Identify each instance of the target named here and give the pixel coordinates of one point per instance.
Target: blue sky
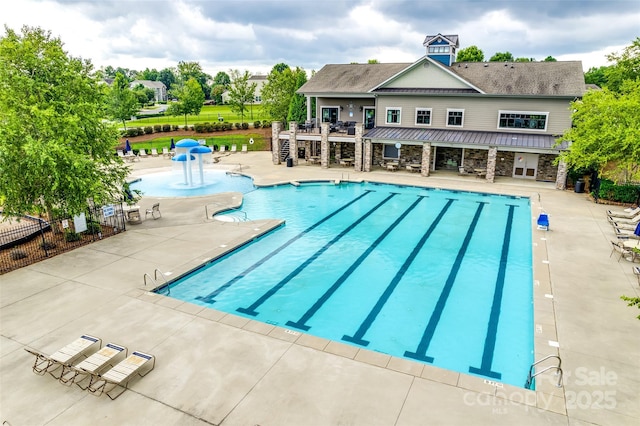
(254, 35)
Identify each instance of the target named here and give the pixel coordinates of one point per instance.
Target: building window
(390, 152)
(393, 115)
(438, 49)
(455, 117)
(423, 116)
(522, 120)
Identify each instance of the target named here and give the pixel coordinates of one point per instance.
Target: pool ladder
(154, 280)
(532, 373)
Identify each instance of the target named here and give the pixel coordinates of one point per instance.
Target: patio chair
(234, 148)
(155, 209)
(91, 367)
(142, 152)
(223, 148)
(624, 214)
(116, 380)
(154, 152)
(630, 221)
(133, 216)
(120, 153)
(636, 271)
(543, 222)
(165, 152)
(65, 357)
(244, 148)
(625, 234)
(619, 248)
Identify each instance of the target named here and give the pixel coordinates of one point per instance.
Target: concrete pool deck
(221, 369)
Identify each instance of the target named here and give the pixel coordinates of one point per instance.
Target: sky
(254, 35)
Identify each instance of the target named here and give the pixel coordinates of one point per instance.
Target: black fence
(29, 239)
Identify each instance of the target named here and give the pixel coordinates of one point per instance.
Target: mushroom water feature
(191, 149)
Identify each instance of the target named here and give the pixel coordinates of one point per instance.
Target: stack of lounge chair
(626, 223)
(93, 367)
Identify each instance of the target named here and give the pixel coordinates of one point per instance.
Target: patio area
(215, 368)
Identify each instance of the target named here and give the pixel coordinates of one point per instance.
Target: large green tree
(626, 66)
(121, 101)
(470, 54)
(597, 76)
(188, 70)
(277, 92)
(168, 77)
(606, 133)
(56, 150)
(241, 92)
(190, 99)
(502, 57)
(298, 104)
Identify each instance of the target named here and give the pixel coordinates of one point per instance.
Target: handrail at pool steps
(154, 280)
(557, 369)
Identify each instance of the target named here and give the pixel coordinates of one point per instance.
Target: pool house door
(525, 166)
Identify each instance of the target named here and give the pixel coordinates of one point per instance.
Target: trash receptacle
(289, 162)
(579, 186)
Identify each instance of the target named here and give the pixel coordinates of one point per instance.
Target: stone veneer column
(491, 163)
(561, 177)
(293, 142)
(359, 160)
(368, 152)
(276, 128)
(324, 145)
(426, 159)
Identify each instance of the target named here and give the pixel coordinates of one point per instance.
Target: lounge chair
(619, 248)
(120, 153)
(155, 209)
(133, 216)
(625, 234)
(543, 222)
(91, 367)
(244, 148)
(154, 152)
(623, 213)
(223, 148)
(617, 219)
(65, 357)
(116, 380)
(142, 152)
(234, 148)
(165, 152)
(636, 271)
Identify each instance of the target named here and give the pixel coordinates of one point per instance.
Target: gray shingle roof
(453, 38)
(350, 78)
(464, 137)
(524, 78)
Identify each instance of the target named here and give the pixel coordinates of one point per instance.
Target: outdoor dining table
(314, 160)
(347, 162)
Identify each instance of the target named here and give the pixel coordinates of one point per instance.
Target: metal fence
(29, 239)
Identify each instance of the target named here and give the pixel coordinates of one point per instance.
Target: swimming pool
(173, 184)
(441, 277)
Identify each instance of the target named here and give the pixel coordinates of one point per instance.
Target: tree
(298, 104)
(190, 99)
(220, 83)
(56, 151)
(144, 95)
(168, 77)
(525, 59)
(470, 54)
(626, 66)
(222, 78)
(502, 57)
(241, 92)
(277, 92)
(148, 74)
(597, 76)
(279, 67)
(188, 70)
(606, 133)
(549, 59)
(373, 61)
(121, 101)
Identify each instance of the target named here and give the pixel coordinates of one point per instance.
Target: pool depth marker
(209, 298)
(421, 352)
(251, 310)
(301, 323)
(364, 327)
(492, 327)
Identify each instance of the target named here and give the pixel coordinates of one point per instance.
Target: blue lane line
(301, 323)
(494, 317)
(420, 353)
(209, 298)
(357, 338)
(251, 310)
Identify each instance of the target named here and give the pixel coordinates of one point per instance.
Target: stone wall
(547, 171)
(475, 159)
(504, 163)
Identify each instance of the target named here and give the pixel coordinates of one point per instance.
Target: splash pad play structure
(186, 152)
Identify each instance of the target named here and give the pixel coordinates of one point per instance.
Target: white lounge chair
(165, 152)
(223, 148)
(142, 152)
(116, 380)
(244, 148)
(234, 148)
(65, 357)
(91, 367)
(623, 213)
(120, 153)
(154, 152)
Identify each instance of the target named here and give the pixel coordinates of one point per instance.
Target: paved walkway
(215, 368)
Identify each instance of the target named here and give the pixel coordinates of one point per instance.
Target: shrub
(18, 254)
(256, 124)
(238, 125)
(133, 131)
(245, 126)
(228, 126)
(218, 127)
(70, 236)
(93, 228)
(266, 124)
(199, 127)
(166, 127)
(626, 193)
(148, 130)
(157, 128)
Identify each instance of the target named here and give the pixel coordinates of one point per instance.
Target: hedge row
(626, 193)
(198, 127)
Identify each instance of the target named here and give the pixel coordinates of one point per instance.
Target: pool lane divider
(210, 298)
(421, 352)
(251, 310)
(357, 338)
(494, 316)
(301, 323)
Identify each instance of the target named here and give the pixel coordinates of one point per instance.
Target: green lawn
(209, 113)
(259, 143)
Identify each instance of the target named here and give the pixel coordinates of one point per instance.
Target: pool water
(173, 184)
(440, 277)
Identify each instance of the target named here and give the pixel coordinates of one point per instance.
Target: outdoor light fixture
(361, 108)
(341, 108)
